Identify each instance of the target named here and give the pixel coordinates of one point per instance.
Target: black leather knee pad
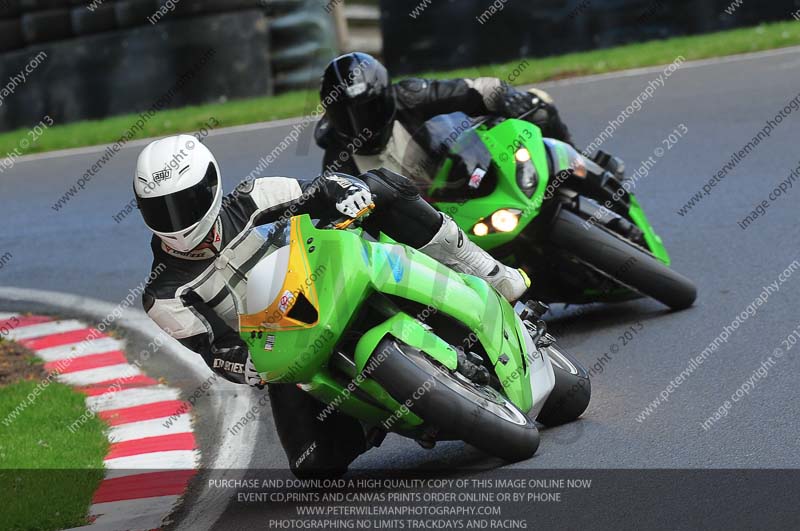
(318, 462)
(314, 447)
(337, 441)
(383, 181)
(401, 212)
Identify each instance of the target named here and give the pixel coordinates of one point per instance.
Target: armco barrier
(107, 57)
(128, 70)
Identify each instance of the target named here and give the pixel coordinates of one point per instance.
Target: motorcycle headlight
(522, 155)
(527, 178)
(505, 220)
(480, 229)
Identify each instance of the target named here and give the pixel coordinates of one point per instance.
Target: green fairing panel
(502, 141)
(409, 331)
(402, 271)
(653, 240)
(348, 271)
(635, 212)
(329, 391)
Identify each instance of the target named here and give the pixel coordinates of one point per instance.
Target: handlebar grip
(361, 213)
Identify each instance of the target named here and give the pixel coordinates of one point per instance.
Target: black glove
(251, 376)
(230, 363)
(540, 113)
(515, 103)
(349, 194)
(235, 365)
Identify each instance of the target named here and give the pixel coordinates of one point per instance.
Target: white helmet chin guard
(178, 190)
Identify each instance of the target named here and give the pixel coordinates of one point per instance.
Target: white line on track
(100, 374)
(570, 81)
(699, 63)
(45, 329)
(150, 428)
(97, 346)
(153, 461)
(137, 396)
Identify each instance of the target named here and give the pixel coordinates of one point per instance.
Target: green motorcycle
(385, 334)
(537, 204)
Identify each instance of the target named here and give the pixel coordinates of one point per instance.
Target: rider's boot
(451, 247)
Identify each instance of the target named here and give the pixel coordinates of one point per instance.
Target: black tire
(43, 26)
(130, 13)
(9, 8)
(85, 22)
(197, 7)
(571, 393)
(458, 410)
(27, 6)
(10, 35)
(621, 260)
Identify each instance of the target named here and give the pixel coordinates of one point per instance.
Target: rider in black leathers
(201, 258)
(369, 121)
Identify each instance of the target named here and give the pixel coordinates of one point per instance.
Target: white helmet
(178, 190)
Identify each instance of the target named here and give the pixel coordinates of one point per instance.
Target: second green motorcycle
(536, 203)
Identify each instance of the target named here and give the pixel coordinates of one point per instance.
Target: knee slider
(318, 464)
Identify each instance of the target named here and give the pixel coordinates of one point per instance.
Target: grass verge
(47, 472)
(299, 103)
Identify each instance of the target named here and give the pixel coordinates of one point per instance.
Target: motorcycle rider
(369, 122)
(200, 238)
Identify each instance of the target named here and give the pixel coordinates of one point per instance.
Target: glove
(350, 195)
(515, 103)
(251, 376)
(227, 361)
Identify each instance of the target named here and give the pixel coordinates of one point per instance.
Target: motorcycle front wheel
(456, 408)
(620, 260)
(572, 391)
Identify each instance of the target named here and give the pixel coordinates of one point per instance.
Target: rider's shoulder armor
(420, 99)
(272, 192)
(255, 196)
(411, 93)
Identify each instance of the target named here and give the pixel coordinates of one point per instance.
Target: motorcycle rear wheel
(456, 408)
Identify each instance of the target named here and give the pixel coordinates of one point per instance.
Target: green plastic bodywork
(653, 240)
(354, 269)
(502, 140)
(507, 194)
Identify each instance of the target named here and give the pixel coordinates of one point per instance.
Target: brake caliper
(470, 365)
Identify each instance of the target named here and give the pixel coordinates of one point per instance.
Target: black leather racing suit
(419, 100)
(195, 295)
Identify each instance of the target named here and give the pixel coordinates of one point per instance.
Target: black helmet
(359, 101)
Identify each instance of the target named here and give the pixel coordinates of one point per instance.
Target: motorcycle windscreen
(262, 244)
(449, 161)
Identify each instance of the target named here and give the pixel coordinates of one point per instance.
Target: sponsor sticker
(269, 342)
(286, 302)
(477, 177)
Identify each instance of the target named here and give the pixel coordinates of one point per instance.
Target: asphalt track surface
(82, 250)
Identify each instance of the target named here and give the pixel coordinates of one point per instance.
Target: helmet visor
(363, 119)
(180, 210)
